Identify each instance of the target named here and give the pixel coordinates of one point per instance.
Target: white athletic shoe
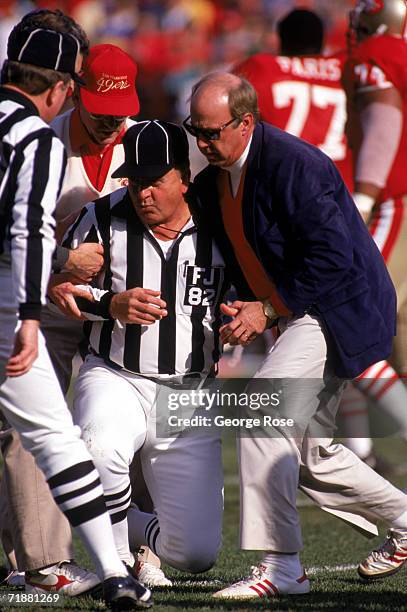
(15, 579)
(388, 559)
(152, 576)
(66, 578)
(264, 583)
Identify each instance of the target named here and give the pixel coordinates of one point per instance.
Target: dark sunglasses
(206, 133)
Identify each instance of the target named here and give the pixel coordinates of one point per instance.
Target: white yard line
(311, 571)
(331, 569)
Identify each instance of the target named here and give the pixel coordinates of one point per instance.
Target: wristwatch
(269, 311)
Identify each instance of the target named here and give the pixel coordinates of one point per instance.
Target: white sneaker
(15, 579)
(152, 576)
(388, 559)
(66, 578)
(264, 583)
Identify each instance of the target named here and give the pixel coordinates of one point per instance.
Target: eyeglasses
(206, 133)
(110, 119)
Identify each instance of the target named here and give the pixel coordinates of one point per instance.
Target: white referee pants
(116, 412)
(34, 405)
(272, 467)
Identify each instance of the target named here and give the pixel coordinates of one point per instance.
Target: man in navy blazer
(286, 222)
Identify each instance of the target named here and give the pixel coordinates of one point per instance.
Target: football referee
(40, 67)
(155, 317)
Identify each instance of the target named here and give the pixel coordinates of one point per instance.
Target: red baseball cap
(110, 82)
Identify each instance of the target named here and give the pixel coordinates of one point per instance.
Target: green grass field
(328, 544)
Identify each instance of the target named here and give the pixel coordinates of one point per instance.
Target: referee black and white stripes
(32, 167)
(191, 279)
(78, 492)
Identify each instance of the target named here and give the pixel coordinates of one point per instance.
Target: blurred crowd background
(176, 41)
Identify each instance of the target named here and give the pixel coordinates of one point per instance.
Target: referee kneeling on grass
(155, 320)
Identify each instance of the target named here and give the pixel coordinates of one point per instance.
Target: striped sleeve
(83, 229)
(98, 310)
(42, 166)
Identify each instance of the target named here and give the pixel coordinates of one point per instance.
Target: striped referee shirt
(32, 166)
(191, 280)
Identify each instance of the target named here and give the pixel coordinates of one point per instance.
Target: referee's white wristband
(364, 203)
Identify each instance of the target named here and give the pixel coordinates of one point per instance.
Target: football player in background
(300, 89)
(375, 80)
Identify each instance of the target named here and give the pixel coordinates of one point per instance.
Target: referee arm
(38, 185)
(137, 305)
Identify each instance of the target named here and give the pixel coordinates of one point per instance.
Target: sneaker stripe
(265, 589)
(256, 590)
(272, 586)
(397, 559)
(61, 582)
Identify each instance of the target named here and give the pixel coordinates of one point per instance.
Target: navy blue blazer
(305, 229)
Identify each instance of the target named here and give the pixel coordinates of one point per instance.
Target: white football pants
(34, 405)
(116, 413)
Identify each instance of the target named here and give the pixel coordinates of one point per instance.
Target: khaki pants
(273, 466)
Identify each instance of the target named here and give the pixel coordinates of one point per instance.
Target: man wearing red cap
(93, 131)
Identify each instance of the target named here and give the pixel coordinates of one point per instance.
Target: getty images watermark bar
(257, 407)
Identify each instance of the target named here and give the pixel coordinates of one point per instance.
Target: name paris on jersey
(324, 68)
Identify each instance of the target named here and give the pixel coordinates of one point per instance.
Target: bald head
(225, 103)
(222, 88)
(217, 84)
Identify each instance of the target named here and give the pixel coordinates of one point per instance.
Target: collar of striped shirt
(6, 93)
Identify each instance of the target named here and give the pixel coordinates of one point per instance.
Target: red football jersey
(304, 96)
(380, 62)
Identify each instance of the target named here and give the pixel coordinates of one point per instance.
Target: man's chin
(104, 140)
(214, 160)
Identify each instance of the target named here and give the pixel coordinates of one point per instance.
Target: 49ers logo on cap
(110, 78)
(109, 83)
(373, 6)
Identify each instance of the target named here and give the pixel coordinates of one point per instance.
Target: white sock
(97, 536)
(283, 563)
(121, 537)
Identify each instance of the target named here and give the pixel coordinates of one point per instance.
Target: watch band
(269, 311)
